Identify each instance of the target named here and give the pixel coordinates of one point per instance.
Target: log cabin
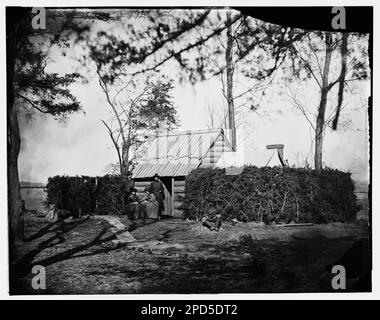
(173, 155)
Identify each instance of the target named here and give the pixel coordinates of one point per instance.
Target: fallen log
(294, 225)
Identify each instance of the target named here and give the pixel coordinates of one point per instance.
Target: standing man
(157, 188)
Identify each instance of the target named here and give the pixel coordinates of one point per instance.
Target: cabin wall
(177, 196)
(141, 185)
(178, 187)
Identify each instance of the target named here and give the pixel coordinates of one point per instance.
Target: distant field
(33, 194)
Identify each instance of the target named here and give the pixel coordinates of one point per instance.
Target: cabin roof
(147, 170)
(176, 153)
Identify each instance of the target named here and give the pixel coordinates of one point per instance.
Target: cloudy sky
(81, 145)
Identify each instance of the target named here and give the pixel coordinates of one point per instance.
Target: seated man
(133, 208)
(212, 222)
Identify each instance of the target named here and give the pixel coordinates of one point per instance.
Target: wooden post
(280, 152)
(200, 147)
(189, 146)
(157, 148)
(173, 210)
(167, 143)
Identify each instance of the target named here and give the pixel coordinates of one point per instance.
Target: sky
(81, 145)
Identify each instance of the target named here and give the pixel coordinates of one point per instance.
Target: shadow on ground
(175, 256)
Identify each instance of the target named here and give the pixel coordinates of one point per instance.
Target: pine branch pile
(86, 195)
(271, 195)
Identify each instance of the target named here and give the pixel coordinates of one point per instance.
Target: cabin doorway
(168, 203)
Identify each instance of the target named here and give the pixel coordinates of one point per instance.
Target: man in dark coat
(157, 188)
(212, 220)
(127, 187)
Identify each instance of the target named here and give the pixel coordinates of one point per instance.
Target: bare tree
(217, 116)
(260, 46)
(325, 87)
(314, 55)
(136, 114)
(342, 77)
(231, 70)
(229, 78)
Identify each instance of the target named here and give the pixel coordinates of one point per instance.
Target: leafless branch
(31, 103)
(177, 34)
(200, 41)
(114, 142)
(298, 105)
(104, 87)
(308, 67)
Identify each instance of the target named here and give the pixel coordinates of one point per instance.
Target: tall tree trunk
(319, 128)
(126, 147)
(124, 159)
(341, 79)
(117, 148)
(229, 74)
(13, 145)
(14, 196)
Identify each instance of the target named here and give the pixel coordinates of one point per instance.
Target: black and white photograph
(188, 150)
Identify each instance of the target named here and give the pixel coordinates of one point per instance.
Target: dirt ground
(178, 256)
